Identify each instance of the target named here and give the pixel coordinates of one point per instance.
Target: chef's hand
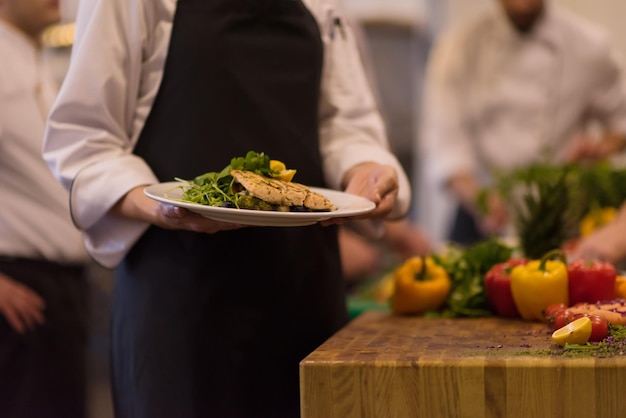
(360, 257)
(21, 306)
(586, 149)
(136, 205)
(605, 244)
(608, 243)
(376, 182)
(406, 240)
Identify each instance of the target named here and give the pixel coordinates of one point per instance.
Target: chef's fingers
(14, 320)
(30, 316)
(386, 182)
(172, 211)
(385, 205)
(174, 217)
(383, 189)
(383, 208)
(372, 181)
(24, 311)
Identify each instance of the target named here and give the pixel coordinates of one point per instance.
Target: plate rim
(280, 218)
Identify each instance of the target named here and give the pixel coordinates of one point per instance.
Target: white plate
(345, 205)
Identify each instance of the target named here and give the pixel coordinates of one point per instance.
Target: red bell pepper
(590, 281)
(498, 288)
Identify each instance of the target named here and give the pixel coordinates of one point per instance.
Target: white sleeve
(608, 102)
(445, 139)
(93, 125)
(351, 128)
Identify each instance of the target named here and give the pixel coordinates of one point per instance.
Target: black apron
(464, 230)
(214, 325)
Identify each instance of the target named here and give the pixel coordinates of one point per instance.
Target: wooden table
(382, 366)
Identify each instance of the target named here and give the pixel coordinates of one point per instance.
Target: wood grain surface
(382, 366)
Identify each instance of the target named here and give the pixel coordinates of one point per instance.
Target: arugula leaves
(253, 161)
(216, 188)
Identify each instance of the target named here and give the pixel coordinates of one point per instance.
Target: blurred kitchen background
(396, 36)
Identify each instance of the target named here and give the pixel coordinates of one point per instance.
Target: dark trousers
(43, 372)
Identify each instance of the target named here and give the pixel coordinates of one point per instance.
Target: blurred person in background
(513, 86)
(211, 319)
(362, 257)
(607, 243)
(43, 289)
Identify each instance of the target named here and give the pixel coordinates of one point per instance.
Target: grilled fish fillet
(278, 192)
(312, 200)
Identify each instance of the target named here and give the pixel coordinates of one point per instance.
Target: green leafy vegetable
(467, 269)
(556, 198)
(216, 188)
(613, 345)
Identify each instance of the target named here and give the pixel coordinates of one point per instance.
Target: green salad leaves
(216, 188)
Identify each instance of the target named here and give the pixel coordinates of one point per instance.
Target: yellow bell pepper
(538, 284)
(420, 285)
(384, 288)
(620, 287)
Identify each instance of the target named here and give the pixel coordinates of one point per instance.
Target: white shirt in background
(34, 212)
(495, 100)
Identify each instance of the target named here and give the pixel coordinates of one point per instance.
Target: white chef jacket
(114, 75)
(34, 212)
(496, 100)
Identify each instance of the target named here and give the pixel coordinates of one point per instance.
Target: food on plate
(254, 182)
(280, 171)
(280, 193)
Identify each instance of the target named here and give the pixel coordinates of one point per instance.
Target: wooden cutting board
(382, 366)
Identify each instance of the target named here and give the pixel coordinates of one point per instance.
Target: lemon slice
(276, 165)
(576, 332)
(283, 173)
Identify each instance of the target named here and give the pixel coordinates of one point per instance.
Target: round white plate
(345, 205)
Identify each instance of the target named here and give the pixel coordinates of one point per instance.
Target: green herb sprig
(613, 345)
(467, 269)
(216, 188)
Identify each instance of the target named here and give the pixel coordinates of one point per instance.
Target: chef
(516, 85)
(211, 319)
